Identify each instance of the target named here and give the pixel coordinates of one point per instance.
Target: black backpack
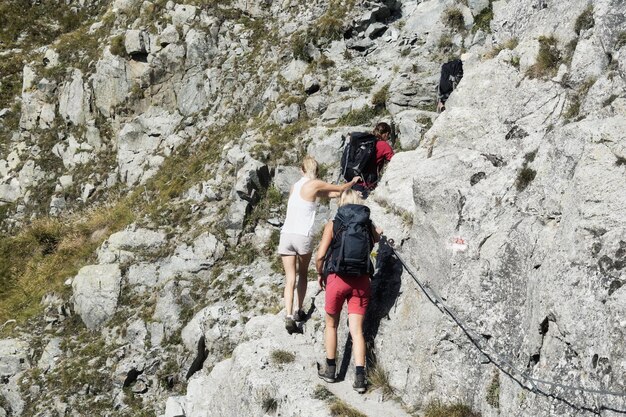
(359, 157)
(451, 74)
(349, 251)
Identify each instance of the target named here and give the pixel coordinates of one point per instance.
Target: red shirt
(383, 154)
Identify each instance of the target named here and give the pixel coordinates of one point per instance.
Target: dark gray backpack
(349, 251)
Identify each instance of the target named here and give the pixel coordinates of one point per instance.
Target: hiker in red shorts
(344, 269)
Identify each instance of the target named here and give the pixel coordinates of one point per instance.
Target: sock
(331, 362)
(360, 370)
(289, 316)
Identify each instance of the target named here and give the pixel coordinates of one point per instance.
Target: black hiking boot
(299, 316)
(360, 385)
(327, 373)
(291, 325)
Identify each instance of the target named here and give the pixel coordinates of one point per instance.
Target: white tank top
(300, 213)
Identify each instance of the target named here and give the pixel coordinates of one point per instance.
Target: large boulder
(96, 291)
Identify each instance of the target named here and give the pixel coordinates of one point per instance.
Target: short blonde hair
(350, 196)
(309, 167)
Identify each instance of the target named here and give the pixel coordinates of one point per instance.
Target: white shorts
(293, 244)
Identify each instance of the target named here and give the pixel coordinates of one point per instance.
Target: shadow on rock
(386, 283)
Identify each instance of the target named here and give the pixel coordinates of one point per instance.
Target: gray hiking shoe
(327, 373)
(360, 384)
(290, 325)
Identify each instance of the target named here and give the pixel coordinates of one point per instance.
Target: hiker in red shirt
(384, 153)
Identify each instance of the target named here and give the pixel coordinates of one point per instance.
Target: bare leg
(330, 335)
(303, 272)
(289, 263)
(355, 322)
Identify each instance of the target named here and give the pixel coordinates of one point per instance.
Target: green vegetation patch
(360, 117)
(378, 377)
(379, 99)
(493, 391)
(339, 408)
(573, 111)
(548, 59)
(281, 357)
(358, 81)
(45, 253)
(439, 409)
(482, 21)
(585, 21)
(454, 19)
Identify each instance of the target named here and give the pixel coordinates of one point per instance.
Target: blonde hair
(350, 196)
(309, 167)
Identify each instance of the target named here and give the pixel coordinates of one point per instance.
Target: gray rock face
(121, 246)
(136, 42)
(111, 83)
(51, 355)
(140, 141)
(13, 357)
(285, 177)
(74, 100)
(96, 289)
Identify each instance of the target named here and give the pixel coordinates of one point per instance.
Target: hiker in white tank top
(300, 212)
(295, 246)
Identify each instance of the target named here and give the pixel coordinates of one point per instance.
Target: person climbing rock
(374, 167)
(344, 270)
(451, 75)
(295, 245)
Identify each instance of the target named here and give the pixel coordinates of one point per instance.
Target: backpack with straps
(359, 157)
(349, 251)
(451, 74)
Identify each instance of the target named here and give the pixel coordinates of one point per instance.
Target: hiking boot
(327, 373)
(360, 385)
(299, 316)
(290, 325)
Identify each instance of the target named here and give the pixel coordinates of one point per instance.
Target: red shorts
(356, 290)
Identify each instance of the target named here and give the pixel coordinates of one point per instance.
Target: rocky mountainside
(147, 149)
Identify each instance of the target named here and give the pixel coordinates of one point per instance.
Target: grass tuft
(340, 409)
(280, 357)
(378, 377)
(585, 21)
(548, 59)
(482, 21)
(453, 18)
(438, 409)
(493, 391)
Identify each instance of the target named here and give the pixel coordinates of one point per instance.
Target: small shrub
(299, 47)
(380, 97)
(359, 117)
(322, 393)
(620, 161)
(573, 111)
(524, 177)
(117, 46)
(453, 18)
(340, 409)
(329, 27)
(483, 19)
(358, 81)
(438, 409)
(378, 377)
(585, 21)
(282, 356)
(548, 59)
(445, 42)
(493, 392)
